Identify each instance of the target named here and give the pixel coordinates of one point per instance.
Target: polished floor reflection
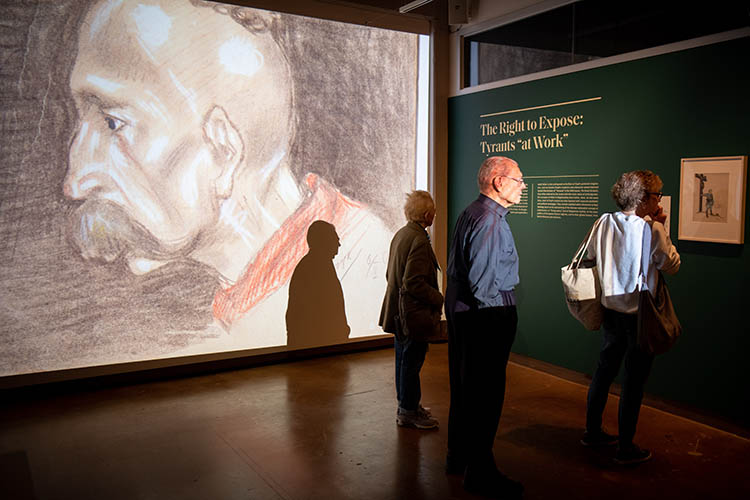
(325, 429)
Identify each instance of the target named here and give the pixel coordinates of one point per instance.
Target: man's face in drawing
(155, 152)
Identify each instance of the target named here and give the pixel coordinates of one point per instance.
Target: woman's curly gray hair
(418, 203)
(631, 188)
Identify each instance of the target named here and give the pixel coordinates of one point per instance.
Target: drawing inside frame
(184, 177)
(712, 199)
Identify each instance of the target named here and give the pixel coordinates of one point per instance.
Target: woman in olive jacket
(412, 281)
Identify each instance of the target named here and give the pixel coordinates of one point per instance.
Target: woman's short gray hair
(418, 203)
(632, 187)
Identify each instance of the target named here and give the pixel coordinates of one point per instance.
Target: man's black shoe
(599, 438)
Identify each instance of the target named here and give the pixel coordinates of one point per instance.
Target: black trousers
(619, 341)
(479, 343)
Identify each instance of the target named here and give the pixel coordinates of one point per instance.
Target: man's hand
(659, 215)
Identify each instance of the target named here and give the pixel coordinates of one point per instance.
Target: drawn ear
(227, 147)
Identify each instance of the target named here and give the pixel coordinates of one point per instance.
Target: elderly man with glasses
(482, 318)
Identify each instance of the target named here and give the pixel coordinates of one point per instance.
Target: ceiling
(606, 28)
(428, 10)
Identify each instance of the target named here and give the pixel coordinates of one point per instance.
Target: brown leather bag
(658, 326)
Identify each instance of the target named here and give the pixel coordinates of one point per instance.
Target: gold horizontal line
(556, 176)
(541, 107)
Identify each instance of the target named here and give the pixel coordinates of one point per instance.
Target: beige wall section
(487, 14)
(439, 85)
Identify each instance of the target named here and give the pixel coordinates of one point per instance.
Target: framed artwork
(712, 199)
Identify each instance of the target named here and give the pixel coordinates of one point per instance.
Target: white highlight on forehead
(239, 56)
(152, 28)
(103, 84)
(189, 94)
(102, 16)
(157, 148)
(153, 25)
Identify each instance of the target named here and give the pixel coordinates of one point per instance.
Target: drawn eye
(114, 124)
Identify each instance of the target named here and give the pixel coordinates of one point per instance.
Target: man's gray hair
(417, 204)
(492, 167)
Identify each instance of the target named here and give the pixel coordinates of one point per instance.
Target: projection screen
(185, 177)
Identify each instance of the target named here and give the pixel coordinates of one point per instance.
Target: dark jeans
(410, 356)
(479, 343)
(619, 340)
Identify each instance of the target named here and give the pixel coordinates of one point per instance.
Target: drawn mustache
(103, 231)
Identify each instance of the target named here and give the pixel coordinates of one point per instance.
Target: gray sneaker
(416, 419)
(422, 411)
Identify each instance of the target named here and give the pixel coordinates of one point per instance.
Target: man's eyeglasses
(520, 181)
(658, 195)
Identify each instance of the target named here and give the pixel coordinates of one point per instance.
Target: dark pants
(410, 356)
(619, 340)
(479, 343)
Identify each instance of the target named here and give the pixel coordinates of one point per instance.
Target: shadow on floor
(560, 443)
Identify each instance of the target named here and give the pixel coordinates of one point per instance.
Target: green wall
(651, 113)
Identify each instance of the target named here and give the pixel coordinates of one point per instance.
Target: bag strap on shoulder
(581, 252)
(645, 256)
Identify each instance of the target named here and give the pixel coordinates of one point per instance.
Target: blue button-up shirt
(483, 261)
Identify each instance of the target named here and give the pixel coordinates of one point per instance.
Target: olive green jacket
(412, 266)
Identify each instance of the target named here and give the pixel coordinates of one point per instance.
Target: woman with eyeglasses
(617, 247)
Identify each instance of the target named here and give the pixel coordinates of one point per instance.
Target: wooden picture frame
(712, 199)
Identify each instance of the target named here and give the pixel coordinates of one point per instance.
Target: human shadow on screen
(315, 313)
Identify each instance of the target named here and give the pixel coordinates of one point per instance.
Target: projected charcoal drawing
(167, 158)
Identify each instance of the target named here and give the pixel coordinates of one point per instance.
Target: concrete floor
(325, 429)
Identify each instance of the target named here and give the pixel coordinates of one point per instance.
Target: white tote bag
(583, 293)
